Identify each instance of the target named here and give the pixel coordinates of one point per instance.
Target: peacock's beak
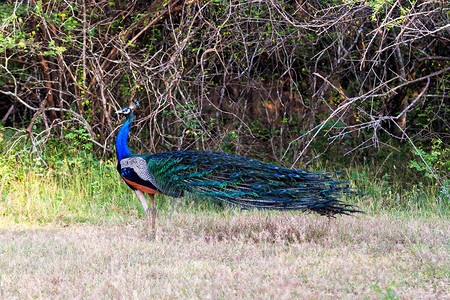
(120, 111)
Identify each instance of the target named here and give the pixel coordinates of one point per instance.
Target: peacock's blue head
(126, 111)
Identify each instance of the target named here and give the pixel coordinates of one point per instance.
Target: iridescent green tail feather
(247, 182)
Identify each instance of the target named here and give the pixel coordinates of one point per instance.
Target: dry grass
(233, 254)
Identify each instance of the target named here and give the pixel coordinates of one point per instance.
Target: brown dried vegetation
(237, 254)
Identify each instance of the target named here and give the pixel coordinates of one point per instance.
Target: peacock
(230, 178)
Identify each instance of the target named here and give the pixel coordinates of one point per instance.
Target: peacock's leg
(141, 197)
(153, 230)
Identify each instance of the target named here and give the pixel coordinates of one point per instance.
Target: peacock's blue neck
(122, 150)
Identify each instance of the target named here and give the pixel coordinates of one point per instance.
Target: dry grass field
(230, 254)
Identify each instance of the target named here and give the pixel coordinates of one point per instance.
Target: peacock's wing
(244, 181)
(134, 171)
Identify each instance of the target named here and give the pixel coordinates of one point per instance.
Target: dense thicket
(282, 80)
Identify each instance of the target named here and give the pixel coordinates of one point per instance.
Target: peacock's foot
(151, 234)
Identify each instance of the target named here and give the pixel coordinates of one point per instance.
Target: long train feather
(247, 182)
